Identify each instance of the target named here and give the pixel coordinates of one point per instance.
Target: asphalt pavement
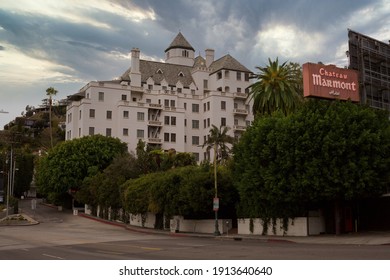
(356, 238)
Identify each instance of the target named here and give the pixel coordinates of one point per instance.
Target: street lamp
(216, 199)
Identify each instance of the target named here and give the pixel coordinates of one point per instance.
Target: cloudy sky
(67, 43)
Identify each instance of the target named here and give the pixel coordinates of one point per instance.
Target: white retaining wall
(179, 224)
(300, 226)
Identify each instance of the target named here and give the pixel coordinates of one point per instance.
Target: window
(205, 84)
(166, 120)
(238, 76)
(204, 107)
(140, 133)
(173, 103)
(227, 89)
(125, 132)
(179, 90)
(185, 106)
(204, 123)
(235, 121)
(208, 122)
(247, 90)
(185, 122)
(101, 96)
(195, 124)
(195, 108)
(150, 87)
(92, 113)
(80, 115)
(227, 74)
(208, 106)
(235, 105)
(185, 53)
(148, 101)
(192, 91)
(166, 137)
(125, 114)
(223, 105)
(108, 132)
(166, 102)
(195, 140)
(134, 99)
(239, 89)
(173, 137)
(124, 97)
(69, 117)
(185, 138)
(140, 116)
(91, 131)
(219, 75)
(223, 121)
(173, 120)
(109, 115)
(246, 77)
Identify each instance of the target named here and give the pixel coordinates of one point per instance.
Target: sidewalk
(363, 238)
(359, 238)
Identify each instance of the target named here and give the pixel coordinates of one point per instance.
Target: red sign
(331, 82)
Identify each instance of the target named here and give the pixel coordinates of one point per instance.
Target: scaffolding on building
(371, 58)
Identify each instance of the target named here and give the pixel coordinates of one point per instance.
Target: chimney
(135, 74)
(209, 57)
(135, 60)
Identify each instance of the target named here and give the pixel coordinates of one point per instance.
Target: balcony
(240, 95)
(154, 123)
(239, 128)
(154, 106)
(240, 112)
(154, 141)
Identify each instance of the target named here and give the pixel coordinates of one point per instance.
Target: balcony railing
(240, 112)
(239, 127)
(155, 123)
(242, 95)
(154, 140)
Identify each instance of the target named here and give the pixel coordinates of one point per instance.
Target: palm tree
(277, 88)
(51, 92)
(217, 140)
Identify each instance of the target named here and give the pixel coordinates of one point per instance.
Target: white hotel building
(171, 105)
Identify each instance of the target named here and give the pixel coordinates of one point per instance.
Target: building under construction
(371, 58)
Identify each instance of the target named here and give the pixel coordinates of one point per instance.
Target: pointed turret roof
(180, 42)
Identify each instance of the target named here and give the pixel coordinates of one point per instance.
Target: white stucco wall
(136, 220)
(180, 224)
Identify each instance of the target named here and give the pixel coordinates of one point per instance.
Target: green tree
(277, 88)
(51, 92)
(64, 168)
(326, 152)
(218, 140)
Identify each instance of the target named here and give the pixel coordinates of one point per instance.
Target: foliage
(217, 140)
(324, 152)
(186, 191)
(67, 164)
(103, 188)
(278, 87)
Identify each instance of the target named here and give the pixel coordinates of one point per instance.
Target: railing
(239, 127)
(154, 140)
(240, 95)
(155, 123)
(240, 111)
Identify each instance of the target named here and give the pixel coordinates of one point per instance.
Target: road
(61, 235)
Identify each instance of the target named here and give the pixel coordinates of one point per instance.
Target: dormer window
(159, 71)
(181, 74)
